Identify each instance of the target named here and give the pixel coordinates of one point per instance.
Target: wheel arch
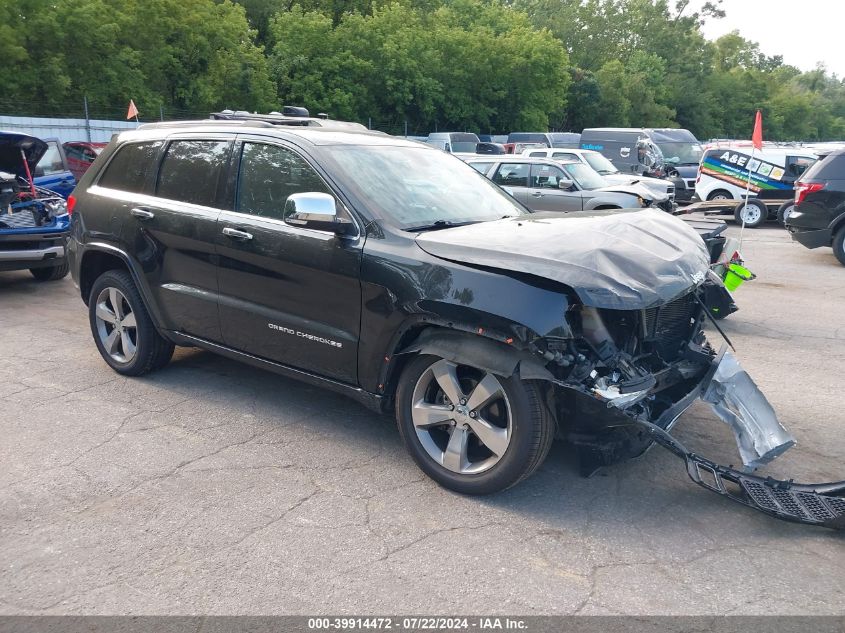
(837, 223)
(99, 258)
(468, 347)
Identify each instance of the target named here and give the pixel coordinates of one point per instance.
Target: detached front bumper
(760, 438)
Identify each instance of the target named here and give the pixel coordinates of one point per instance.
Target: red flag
(133, 111)
(757, 135)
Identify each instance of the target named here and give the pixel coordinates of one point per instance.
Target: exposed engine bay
(626, 378)
(25, 206)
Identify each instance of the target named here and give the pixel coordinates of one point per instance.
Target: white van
(723, 175)
(604, 167)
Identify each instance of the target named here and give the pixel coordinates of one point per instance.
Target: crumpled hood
(11, 144)
(620, 260)
(637, 189)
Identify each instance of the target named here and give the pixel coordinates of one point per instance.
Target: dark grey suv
(396, 274)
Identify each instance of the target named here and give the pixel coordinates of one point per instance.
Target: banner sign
(733, 167)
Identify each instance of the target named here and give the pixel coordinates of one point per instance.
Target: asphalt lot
(211, 487)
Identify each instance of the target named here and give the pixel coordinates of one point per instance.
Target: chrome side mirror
(318, 211)
(564, 184)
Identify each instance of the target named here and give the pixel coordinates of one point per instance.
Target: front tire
(839, 245)
(51, 273)
(122, 328)
(754, 214)
(470, 430)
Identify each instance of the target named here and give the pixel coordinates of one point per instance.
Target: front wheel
(753, 214)
(470, 430)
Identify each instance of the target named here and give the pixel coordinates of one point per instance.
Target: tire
(720, 194)
(53, 273)
(135, 350)
(784, 210)
(756, 213)
(839, 245)
(521, 424)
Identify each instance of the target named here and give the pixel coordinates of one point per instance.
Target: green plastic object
(736, 275)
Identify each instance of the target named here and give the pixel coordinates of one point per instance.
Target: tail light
(803, 188)
(71, 203)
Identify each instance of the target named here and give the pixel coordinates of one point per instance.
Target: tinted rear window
(190, 171)
(131, 165)
(830, 168)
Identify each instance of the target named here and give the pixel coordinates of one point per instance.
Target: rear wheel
(51, 273)
(720, 194)
(839, 245)
(122, 328)
(470, 430)
(784, 210)
(753, 214)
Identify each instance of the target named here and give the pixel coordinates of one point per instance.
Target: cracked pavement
(212, 487)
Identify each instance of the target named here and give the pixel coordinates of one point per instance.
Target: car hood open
(11, 144)
(618, 260)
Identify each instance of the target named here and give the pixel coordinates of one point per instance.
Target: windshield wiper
(440, 224)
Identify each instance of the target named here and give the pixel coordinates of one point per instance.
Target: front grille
(804, 506)
(668, 327)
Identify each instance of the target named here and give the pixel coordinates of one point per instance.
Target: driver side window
(546, 176)
(268, 175)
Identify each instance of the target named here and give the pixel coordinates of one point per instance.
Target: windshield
(415, 187)
(585, 176)
(600, 163)
(681, 153)
(464, 147)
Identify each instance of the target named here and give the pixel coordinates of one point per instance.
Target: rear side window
(268, 175)
(512, 174)
(831, 167)
(191, 170)
(130, 167)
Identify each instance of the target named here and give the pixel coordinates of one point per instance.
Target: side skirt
(372, 401)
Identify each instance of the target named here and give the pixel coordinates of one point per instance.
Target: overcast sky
(803, 31)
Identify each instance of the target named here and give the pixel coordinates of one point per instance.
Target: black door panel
(290, 295)
(176, 249)
(287, 294)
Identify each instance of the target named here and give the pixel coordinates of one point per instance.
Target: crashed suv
(34, 222)
(396, 274)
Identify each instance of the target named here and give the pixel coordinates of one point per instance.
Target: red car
(81, 154)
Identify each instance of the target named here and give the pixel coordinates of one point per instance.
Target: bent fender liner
(813, 504)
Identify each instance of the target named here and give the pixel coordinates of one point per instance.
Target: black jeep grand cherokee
(394, 273)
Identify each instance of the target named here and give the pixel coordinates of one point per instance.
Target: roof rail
(202, 122)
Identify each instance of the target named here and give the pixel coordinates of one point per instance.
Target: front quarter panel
(404, 288)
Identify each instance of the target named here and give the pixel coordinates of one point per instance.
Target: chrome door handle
(142, 214)
(237, 234)
(537, 194)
